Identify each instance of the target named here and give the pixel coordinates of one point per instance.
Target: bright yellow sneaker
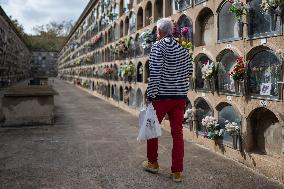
(151, 167)
(176, 176)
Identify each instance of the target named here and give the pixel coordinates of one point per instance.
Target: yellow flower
(177, 39)
(183, 43)
(189, 45)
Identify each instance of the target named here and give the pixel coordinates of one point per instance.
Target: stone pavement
(93, 145)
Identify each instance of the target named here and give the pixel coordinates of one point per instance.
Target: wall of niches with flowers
(237, 51)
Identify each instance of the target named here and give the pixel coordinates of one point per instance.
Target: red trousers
(175, 110)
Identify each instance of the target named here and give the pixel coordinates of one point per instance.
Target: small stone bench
(28, 106)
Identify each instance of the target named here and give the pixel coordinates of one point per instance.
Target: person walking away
(170, 69)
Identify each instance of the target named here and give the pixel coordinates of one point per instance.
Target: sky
(31, 13)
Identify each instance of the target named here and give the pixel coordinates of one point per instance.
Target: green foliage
(49, 37)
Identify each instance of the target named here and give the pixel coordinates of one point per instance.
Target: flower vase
(237, 86)
(273, 19)
(240, 27)
(129, 79)
(207, 84)
(235, 141)
(242, 87)
(212, 85)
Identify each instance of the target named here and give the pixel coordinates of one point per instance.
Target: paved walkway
(93, 145)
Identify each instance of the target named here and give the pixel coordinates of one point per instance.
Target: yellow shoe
(151, 167)
(176, 176)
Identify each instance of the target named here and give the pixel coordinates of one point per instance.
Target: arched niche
(126, 95)
(139, 72)
(203, 109)
(228, 25)
(116, 93)
(264, 74)
(264, 132)
(121, 29)
(158, 10)
(138, 49)
(226, 112)
(121, 8)
(132, 22)
(200, 83)
(132, 97)
(126, 27)
(168, 8)
(146, 72)
(227, 62)
(116, 31)
(148, 14)
(139, 98)
(132, 48)
(140, 18)
(182, 22)
(120, 93)
(112, 92)
(262, 24)
(205, 28)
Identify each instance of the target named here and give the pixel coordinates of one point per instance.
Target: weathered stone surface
(93, 145)
(28, 105)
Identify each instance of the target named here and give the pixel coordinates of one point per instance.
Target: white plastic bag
(149, 126)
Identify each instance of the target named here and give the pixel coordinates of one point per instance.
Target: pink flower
(185, 30)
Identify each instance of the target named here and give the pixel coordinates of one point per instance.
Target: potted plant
(183, 36)
(238, 73)
(234, 130)
(239, 9)
(213, 129)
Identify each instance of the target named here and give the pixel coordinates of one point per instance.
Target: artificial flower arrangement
(129, 71)
(232, 128)
(108, 71)
(183, 36)
(147, 38)
(212, 127)
(271, 5)
(187, 115)
(209, 70)
(238, 8)
(121, 70)
(140, 70)
(238, 72)
(122, 46)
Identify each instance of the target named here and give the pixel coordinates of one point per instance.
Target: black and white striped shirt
(170, 68)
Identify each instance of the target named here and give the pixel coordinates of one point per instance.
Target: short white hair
(165, 25)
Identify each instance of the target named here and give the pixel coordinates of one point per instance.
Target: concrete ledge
(28, 106)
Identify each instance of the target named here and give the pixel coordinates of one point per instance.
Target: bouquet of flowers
(232, 128)
(238, 71)
(213, 129)
(183, 36)
(129, 71)
(238, 8)
(187, 115)
(121, 70)
(209, 70)
(147, 38)
(270, 5)
(121, 47)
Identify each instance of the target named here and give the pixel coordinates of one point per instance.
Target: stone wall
(259, 116)
(14, 55)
